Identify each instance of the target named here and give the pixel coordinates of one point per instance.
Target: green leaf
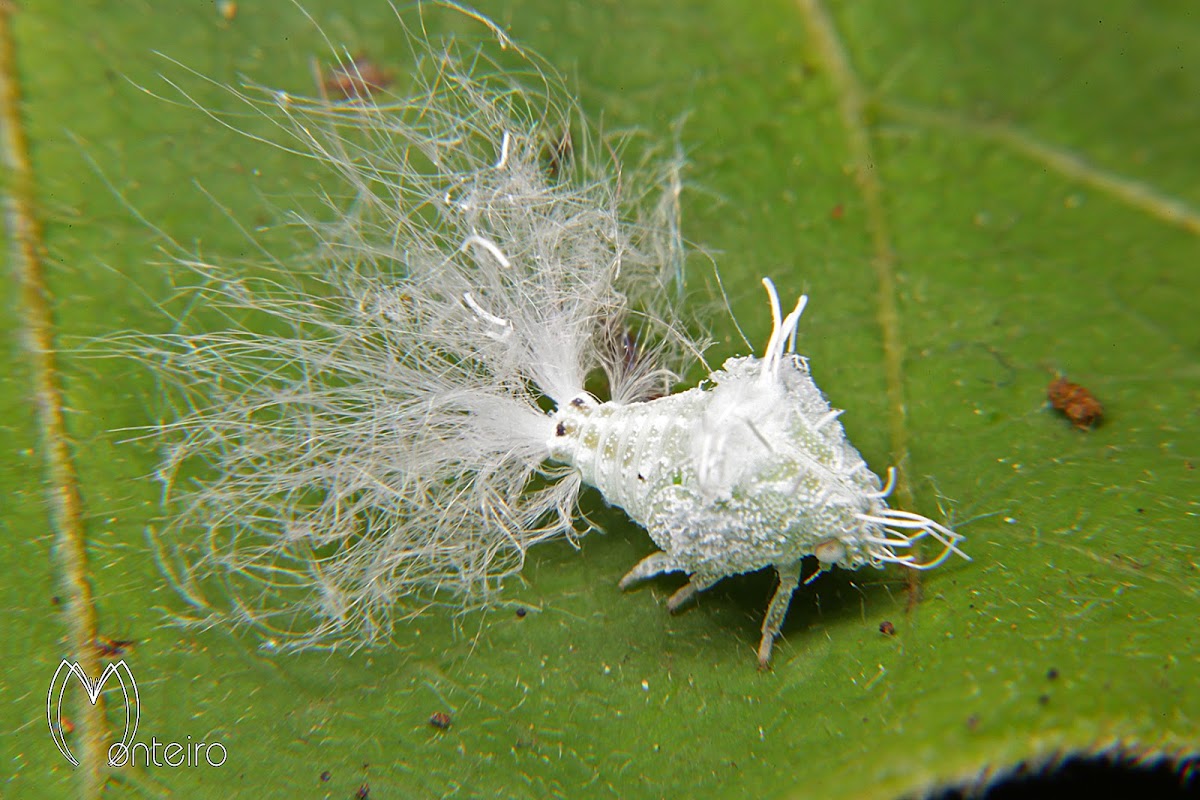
(1036, 212)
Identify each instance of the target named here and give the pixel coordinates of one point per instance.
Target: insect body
(754, 472)
(412, 417)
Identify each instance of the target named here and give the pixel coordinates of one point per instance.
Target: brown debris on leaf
(1076, 402)
(358, 79)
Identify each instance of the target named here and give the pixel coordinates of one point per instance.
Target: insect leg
(648, 567)
(789, 579)
(688, 591)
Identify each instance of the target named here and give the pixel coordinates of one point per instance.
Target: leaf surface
(1019, 188)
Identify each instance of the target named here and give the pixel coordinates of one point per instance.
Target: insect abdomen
(628, 450)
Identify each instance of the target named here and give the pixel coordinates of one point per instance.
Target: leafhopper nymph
(412, 416)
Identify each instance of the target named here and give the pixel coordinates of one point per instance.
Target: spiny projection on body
(379, 439)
